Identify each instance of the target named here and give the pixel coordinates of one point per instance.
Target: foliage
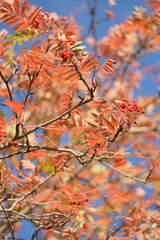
(79, 149)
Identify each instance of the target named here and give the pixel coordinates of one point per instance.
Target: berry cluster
(36, 171)
(41, 17)
(79, 200)
(3, 134)
(127, 106)
(14, 143)
(65, 55)
(63, 19)
(68, 41)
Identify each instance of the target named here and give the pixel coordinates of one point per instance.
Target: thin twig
(9, 223)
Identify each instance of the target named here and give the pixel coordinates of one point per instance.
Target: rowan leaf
(10, 19)
(106, 111)
(6, 7)
(114, 121)
(23, 9)
(16, 7)
(8, 44)
(34, 15)
(18, 20)
(108, 124)
(2, 123)
(156, 232)
(15, 106)
(21, 26)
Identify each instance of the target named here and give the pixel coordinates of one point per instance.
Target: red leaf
(108, 124)
(24, 7)
(16, 7)
(33, 15)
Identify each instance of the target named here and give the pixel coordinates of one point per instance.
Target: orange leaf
(16, 7)
(85, 228)
(9, 19)
(106, 111)
(139, 155)
(158, 233)
(7, 15)
(95, 135)
(33, 15)
(14, 104)
(24, 7)
(11, 118)
(18, 20)
(107, 66)
(108, 124)
(72, 77)
(2, 123)
(6, 7)
(114, 121)
(21, 26)
(29, 109)
(90, 65)
(7, 44)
